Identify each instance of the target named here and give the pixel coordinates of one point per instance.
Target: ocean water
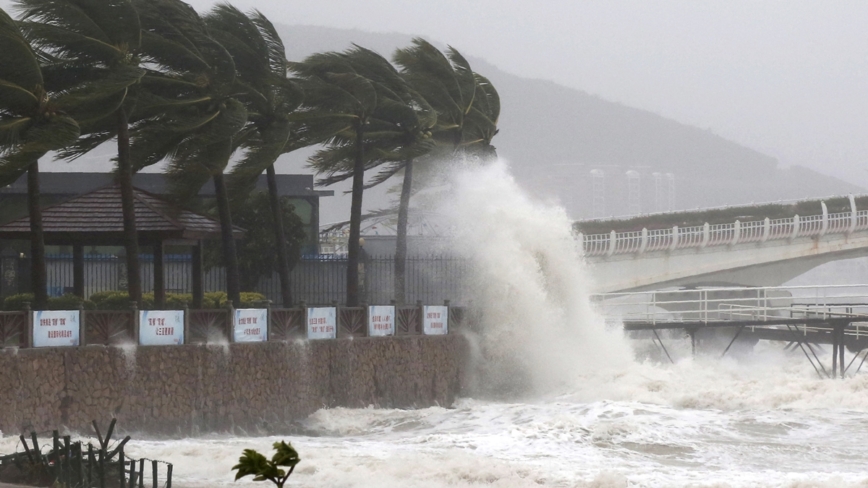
(558, 399)
(699, 423)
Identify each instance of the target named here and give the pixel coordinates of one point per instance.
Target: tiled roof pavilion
(97, 218)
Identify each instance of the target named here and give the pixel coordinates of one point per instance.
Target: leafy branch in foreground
(252, 463)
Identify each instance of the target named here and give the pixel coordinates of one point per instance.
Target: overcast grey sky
(784, 77)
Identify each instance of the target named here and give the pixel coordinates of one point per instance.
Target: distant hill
(553, 136)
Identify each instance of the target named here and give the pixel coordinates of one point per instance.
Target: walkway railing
(710, 235)
(736, 304)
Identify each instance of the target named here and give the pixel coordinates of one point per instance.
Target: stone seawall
(184, 390)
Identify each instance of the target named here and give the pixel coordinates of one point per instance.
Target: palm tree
(91, 49)
(270, 97)
(353, 107)
(467, 108)
(31, 124)
(404, 123)
(193, 85)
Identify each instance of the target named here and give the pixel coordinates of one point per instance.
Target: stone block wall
(185, 390)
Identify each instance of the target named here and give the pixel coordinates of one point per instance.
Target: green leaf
(286, 455)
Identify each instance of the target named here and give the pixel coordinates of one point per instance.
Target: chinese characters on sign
(381, 320)
(251, 325)
(322, 323)
(435, 320)
(56, 328)
(161, 327)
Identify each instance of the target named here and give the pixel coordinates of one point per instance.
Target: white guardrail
(724, 304)
(701, 236)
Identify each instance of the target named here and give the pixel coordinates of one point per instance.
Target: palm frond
(18, 63)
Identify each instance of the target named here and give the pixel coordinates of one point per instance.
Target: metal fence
(320, 280)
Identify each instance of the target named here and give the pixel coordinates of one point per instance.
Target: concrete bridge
(766, 252)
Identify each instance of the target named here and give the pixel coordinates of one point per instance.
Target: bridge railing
(721, 304)
(727, 234)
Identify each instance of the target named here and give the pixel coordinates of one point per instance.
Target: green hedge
(66, 302)
(120, 300)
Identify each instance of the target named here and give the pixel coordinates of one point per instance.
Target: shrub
(119, 300)
(14, 303)
(177, 301)
(218, 299)
(215, 299)
(69, 302)
(250, 299)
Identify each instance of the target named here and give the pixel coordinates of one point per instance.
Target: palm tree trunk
(401, 241)
(230, 257)
(38, 276)
(356, 220)
(128, 205)
(279, 238)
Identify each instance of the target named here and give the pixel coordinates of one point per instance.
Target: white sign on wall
(381, 320)
(435, 320)
(161, 327)
(322, 323)
(251, 325)
(55, 328)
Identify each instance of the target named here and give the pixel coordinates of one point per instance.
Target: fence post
(305, 318)
(448, 315)
(853, 214)
(612, 237)
(825, 225)
(644, 243)
(267, 320)
(231, 322)
(767, 227)
(82, 325)
(29, 321)
(795, 227)
(674, 244)
(365, 314)
(186, 324)
(736, 232)
(134, 322)
(337, 307)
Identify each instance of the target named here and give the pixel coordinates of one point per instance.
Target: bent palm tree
(467, 108)
(345, 102)
(31, 124)
(270, 97)
(91, 48)
(403, 122)
(199, 118)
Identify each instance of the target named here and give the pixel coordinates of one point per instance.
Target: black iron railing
(317, 281)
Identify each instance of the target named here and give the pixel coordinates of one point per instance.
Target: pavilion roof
(97, 218)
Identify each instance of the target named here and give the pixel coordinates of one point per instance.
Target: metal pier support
(662, 346)
(733, 341)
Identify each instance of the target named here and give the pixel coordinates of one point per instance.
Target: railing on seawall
(76, 328)
(710, 235)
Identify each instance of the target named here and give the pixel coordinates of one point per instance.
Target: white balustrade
(646, 240)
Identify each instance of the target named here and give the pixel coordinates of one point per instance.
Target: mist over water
(561, 401)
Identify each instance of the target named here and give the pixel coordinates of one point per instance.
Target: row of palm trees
(199, 91)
